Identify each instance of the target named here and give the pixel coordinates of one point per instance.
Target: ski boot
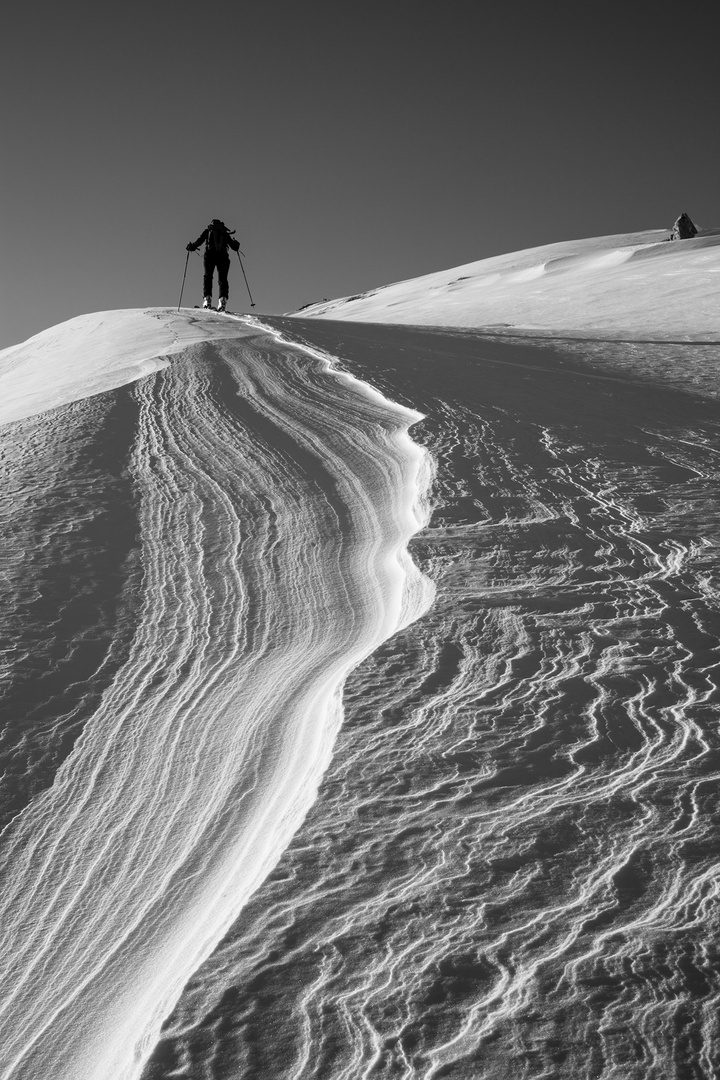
(221, 303)
(207, 301)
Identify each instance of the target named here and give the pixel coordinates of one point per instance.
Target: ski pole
(252, 302)
(183, 284)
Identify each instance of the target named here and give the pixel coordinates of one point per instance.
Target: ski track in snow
(511, 869)
(274, 502)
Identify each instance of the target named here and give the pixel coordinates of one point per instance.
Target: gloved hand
(190, 247)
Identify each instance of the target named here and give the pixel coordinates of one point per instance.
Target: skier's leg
(223, 265)
(208, 268)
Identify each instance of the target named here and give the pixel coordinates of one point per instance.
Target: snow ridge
(275, 504)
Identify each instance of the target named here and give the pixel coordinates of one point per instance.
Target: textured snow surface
(191, 567)
(511, 870)
(635, 283)
(299, 780)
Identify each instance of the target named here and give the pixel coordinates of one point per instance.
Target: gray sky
(350, 145)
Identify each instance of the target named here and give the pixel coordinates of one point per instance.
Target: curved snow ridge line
(275, 510)
(412, 415)
(472, 860)
(419, 510)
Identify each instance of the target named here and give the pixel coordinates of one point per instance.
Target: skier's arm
(200, 240)
(233, 243)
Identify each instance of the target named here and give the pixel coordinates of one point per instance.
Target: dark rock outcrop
(683, 229)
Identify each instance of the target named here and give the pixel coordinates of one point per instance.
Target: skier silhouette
(217, 238)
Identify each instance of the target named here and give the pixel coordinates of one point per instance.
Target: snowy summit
(638, 283)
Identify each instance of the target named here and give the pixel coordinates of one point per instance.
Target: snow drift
(273, 500)
(635, 283)
(511, 865)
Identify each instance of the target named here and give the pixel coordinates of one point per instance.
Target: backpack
(218, 236)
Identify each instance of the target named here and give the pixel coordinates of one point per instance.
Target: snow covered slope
(96, 352)
(192, 563)
(511, 870)
(636, 283)
(504, 861)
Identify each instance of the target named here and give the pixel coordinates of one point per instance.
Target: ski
(214, 311)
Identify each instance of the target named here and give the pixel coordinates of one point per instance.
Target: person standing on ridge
(217, 238)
